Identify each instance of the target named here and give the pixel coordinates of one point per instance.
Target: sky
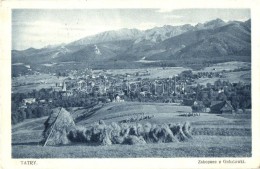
(38, 28)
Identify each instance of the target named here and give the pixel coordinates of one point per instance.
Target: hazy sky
(38, 28)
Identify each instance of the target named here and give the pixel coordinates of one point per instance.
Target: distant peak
(215, 21)
(30, 49)
(211, 24)
(167, 25)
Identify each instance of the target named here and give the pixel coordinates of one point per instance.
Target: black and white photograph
(131, 83)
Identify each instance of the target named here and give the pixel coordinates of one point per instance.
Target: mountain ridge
(211, 39)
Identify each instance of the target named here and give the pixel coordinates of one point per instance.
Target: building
(221, 107)
(29, 101)
(188, 102)
(118, 99)
(59, 87)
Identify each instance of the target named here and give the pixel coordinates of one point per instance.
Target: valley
(179, 75)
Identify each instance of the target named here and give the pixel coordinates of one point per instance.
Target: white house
(29, 101)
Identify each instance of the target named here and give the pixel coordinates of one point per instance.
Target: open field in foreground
(200, 146)
(214, 135)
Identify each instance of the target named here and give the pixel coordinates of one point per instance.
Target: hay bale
(88, 135)
(147, 127)
(178, 133)
(139, 129)
(182, 132)
(64, 138)
(134, 140)
(98, 132)
(101, 122)
(124, 130)
(186, 128)
(154, 134)
(115, 134)
(133, 130)
(80, 134)
(172, 125)
(57, 127)
(118, 140)
(147, 134)
(161, 134)
(167, 135)
(73, 135)
(106, 140)
(115, 129)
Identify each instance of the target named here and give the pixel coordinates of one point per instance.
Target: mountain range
(211, 40)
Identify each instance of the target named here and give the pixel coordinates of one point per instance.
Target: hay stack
(134, 140)
(115, 134)
(57, 127)
(133, 130)
(139, 129)
(178, 133)
(98, 133)
(187, 129)
(167, 135)
(80, 134)
(60, 127)
(124, 130)
(106, 139)
(147, 134)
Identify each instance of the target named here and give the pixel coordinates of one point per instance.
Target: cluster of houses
(217, 107)
(119, 85)
(209, 74)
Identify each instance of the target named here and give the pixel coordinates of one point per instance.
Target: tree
(29, 114)
(235, 101)
(14, 118)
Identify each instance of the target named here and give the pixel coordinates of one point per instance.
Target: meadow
(213, 135)
(28, 83)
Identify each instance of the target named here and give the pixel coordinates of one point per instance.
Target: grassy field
(227, 66)
(30, 82)
(200, 146)
(214, 135)
(154, 72)
(233, 77)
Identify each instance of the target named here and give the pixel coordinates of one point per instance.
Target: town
(87, 87)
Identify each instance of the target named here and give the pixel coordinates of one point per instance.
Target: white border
(5, 84)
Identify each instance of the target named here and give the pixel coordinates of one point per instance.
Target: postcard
(133, 84)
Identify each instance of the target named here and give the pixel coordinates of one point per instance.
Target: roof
(213, 103)
(29, 99)
(227, 107)
(220, 106)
